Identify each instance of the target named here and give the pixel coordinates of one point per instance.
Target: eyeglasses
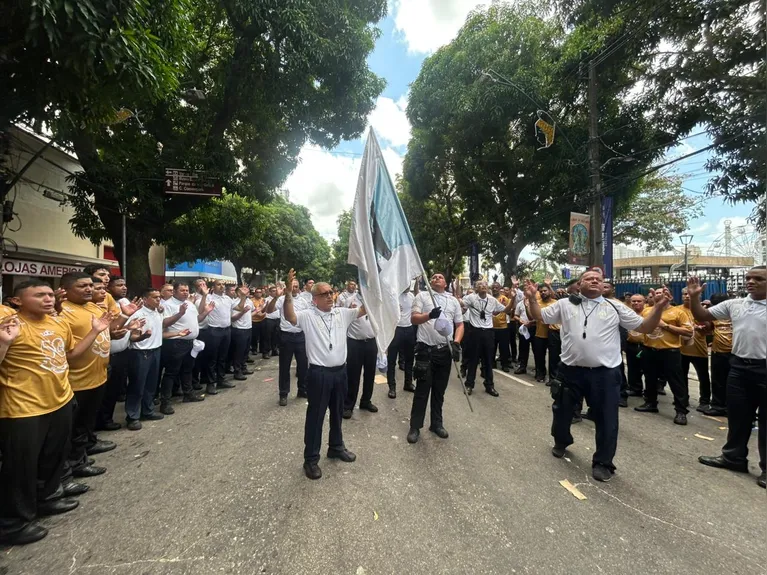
(325, 293)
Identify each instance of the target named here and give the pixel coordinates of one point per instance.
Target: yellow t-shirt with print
(90, 369)
(34, 374)
(662, 339)
(541, 329)
(110, 305)
(257, 303)
(722, 340)
(697, 346)
(499, 320)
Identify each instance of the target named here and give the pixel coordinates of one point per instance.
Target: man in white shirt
(481, 308)
(144, 363)
(440, 330)
(517, 296)
(292, 343)
(179, 316)
(525, 335)
(747, 379)
(362, 354)
(306, 293)
(403, 344)
(349, 292)
(216, 352)
(590, 361)
(271, 341)
(242, 322)
(325, 329)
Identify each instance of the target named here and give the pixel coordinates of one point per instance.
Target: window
(627, 273)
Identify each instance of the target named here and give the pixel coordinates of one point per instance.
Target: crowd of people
(68, 356)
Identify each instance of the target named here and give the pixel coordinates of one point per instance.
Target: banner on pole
(607, 222)
(474, 262)
(580, 226)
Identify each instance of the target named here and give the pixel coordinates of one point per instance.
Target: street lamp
(686, 239)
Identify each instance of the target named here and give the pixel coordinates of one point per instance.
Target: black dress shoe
(73, 489)
(101, 446)
(56, 507)
(121, 398)
(264, 356)
(224, 385)
(193, 398)
(30, 533)
(469, 390)
(347, 414)
(703, 407)
(283, 401)
(210, 389)
(156, 401)
(558, 451)
(369, 407)
(108, 426)
(762, 481)
(491, 391)
(167, 409)
(152, 416)
(520, 370)
(412, 436)
(239, 376)
(88, 471)
(439, 431)
(134, 425)
(312, 470)
(198, 386)
(247, 371)
(250, 360)
(505, 369)
(721, 463)
(680, 418)
(623, 402)
(409, 387)
(178, 393)
(302, 393)
(392, 393)
(647, 408)
(601, 473)
(577, 418)
(714, 411)
(344, 455)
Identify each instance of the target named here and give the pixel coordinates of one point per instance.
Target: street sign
(190, 183)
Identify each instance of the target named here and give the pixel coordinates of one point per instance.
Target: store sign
(37, 269)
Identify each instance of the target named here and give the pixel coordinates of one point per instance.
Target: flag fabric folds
(381, 245)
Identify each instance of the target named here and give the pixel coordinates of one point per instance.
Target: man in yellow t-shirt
(541, 340)
(87, 372)
(634, 346)
(36, 412)
(257, 337)
(721, 352)
(662, 355)
(501, 330)
(695, 353)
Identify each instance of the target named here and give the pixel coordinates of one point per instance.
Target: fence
(733, 283)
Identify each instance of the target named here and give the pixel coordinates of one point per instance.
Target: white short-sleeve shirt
(276, 313)
(749, 325)
(602, 344)
(405, 309)
(187, 321)
(360, 328)
(221, 315)
(476, 305)
(299, 304)
(451, 310)
(246, 320)
(326, 334)
(153, 319)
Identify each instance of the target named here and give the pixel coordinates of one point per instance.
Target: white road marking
(518, 380)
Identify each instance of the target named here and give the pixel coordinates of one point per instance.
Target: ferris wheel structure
(740, 241)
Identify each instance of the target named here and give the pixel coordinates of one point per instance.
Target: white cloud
(390, 122)
(426, 25)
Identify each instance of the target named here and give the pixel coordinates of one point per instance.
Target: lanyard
(328, 328)
(586, 321)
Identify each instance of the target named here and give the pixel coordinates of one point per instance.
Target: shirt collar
(756, 301)
(178, 301)
(599, 299)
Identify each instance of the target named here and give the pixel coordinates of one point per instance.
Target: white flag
(380, 245)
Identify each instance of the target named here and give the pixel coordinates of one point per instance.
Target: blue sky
(325, 181)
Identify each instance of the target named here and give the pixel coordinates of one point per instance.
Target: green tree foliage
(342, 271)
(473, 132)
(274, 75)
(263, 237)
(701, 64)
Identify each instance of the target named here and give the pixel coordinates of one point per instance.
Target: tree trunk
(510, 259)
(136, 270)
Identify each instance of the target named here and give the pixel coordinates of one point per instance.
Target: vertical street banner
(474, 262)
(580, 226)
(607, 222)
(381, 245)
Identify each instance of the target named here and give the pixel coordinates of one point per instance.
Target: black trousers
(668, 362)
(270, 340)
(502, 345)
(746, 393)
(178, 363)
(524, 351)
(601, 387)
(34, 451)
(256, 335)
(540, 345)
(402, 345)
(216, 354)
(701, 368)
(513, 331)
(117, 383)
(554, 344)
(84, 425)
(361, 355)
(239, 346)
(634, 367)
(326, 389)
(468, 338)
(720, 370)
(198, 372)
(432, 374)
(481, 349)
(292, 344)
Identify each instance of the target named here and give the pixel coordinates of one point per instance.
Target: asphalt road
(218, 488)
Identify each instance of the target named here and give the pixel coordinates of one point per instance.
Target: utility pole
(595, 253)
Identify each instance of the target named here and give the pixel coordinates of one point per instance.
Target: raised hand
(9, 329)
(210, 307)
(102, 323)
(547, 280)
(694, 287)
(182, 308)
(130, 308)
(203, 288)
(60, 294)
(662, 297)
(243, 291)
(291, 277)
(530, 289)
